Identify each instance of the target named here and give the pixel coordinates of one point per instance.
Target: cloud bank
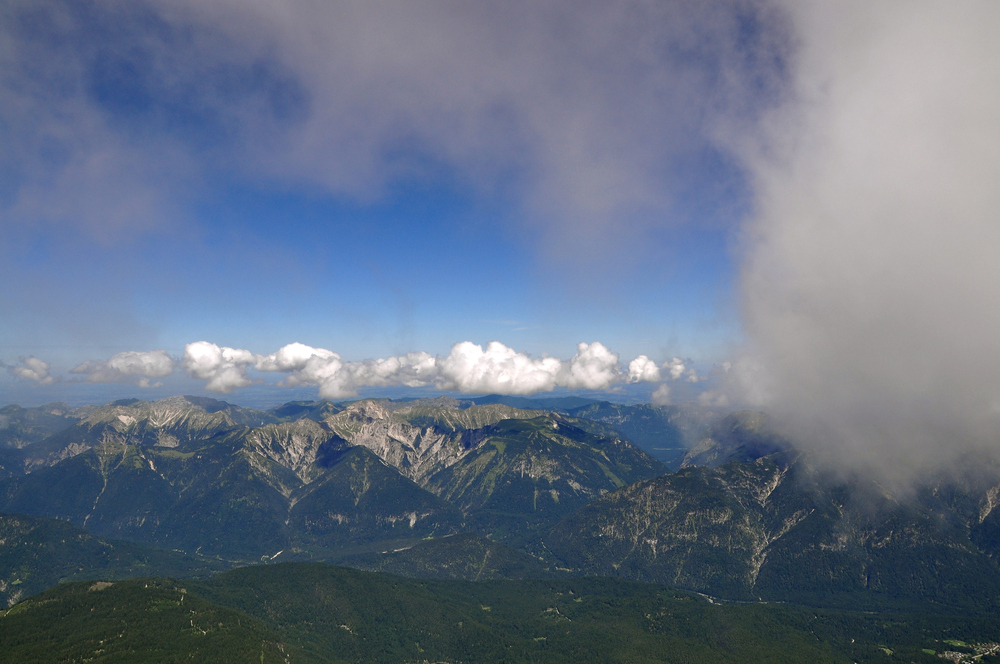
(128, 367)
(592, 117)
(871, 278)
(468, 367)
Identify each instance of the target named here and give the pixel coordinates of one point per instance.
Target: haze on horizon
(785, 206)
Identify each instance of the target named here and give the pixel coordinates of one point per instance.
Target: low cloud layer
(871, 280)
(468, 367)
(128, 367)
(32, 370)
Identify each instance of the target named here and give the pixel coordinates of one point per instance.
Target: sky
(398, 178)
(786, 206)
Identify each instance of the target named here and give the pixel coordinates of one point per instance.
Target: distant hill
(664, 432)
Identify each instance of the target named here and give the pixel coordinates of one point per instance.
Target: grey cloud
(32, 369)
(588, 115)
(128, 367)
(871, 280)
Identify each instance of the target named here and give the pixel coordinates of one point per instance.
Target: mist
(871, 279)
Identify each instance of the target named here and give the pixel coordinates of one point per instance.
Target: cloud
(499, 369)
(412, 370)
(338, 379)
(594, 367)
(661, 396)
(33, 370)
(114, 111)
(716, 398)
(675, 367)
(224, 368)
(128, 367)
(643, 369)
(871, 279)
(468, 367)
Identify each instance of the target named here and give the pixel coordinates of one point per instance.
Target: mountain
(548, 404)
(240, 494)
(359, 500)
(38, 553)
(205, 476)
(523, 474)
(776, 528)
(166, 423)
(744, 436)
(664, 432)
(297, 410)
(20, 427)
(418, 438)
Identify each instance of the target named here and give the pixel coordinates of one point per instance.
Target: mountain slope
(743, 436)
(20, 427)
(417, 438)
(240, 495)
(523, 474)
(38, 553)
(774, 528)
(664, 432)
(166, 423)
(148, 621)
(466, 556)
(359, 500)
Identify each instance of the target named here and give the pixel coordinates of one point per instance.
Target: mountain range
(441, 488)
(312, 479)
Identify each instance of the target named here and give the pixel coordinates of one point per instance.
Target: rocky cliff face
(418, 440)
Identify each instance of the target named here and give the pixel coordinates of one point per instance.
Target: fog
(871, 279)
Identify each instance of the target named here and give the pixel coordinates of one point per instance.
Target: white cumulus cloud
(677, 369)
(224, 368)
(643, 369)
(469, 368)
(594, 367)
(128, 367)
(32, 369)
(336, 379)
